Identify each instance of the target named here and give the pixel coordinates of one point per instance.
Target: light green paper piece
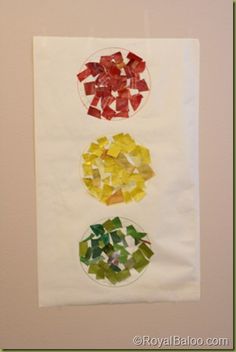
(139, 267)
(122, 275)
(130, 263)
(88, 253)
(111, 276)
(96, 252)
(103, 265)
(139, 260)
(93, 268)
(83, 246)
(146, 250)
(120, 248)
(108, 225)
(123, 259)
(100, 274)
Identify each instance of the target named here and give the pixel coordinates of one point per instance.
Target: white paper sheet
(167, 125)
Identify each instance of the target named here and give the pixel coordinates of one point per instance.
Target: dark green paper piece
(96, 251)
(131, 231)
(95, 242)
(89, 237)
(96, 260)
(84, 260)
(103, 265)
(108, 249)
(97, 229)
(117, 222)
(115, 268)
(115, 237)
(105, 238)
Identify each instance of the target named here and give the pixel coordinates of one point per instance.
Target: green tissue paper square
(115, 237)
(108, 225)
(93, 268)
(111, 275)
(88, 253)
(120, 248)
(123, 259)
(96, 251)
(117, 223)
(83, 246)
(95, 243)
(130, 263)
(146, 250)
(122, 275)
(103, 265)
(115, 268)
(105, 238)
(84, 260)
(100, 274)
(97, 229)
(89, 237)
(139, 260)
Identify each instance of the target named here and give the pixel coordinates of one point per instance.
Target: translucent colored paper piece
(113, 252)
(117, 171)
(116, 88)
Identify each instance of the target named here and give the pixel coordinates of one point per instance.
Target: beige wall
(22, 323)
